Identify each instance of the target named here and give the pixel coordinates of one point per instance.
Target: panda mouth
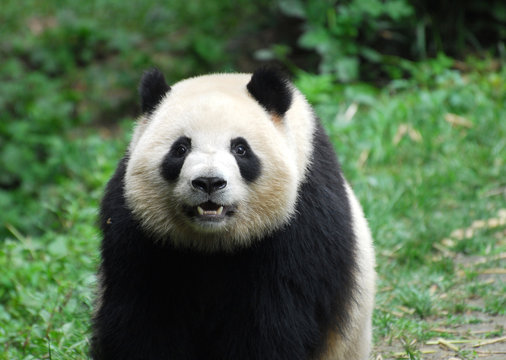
(210, 211)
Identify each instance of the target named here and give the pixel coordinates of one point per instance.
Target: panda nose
(209, 184)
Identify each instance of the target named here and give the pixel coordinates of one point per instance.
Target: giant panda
(229, 231)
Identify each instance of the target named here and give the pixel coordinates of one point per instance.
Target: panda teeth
(210, 212)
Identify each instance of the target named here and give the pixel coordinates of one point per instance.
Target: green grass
(426, 156)
(48, 278)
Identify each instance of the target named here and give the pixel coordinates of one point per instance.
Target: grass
(426, 156)
(48, 277)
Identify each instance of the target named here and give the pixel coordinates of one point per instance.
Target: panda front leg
(130, 321)
(123, 335)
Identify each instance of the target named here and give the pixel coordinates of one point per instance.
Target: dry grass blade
(457, 120)
(491, 341)
(495, 271)
(410, 131)
(350, 112)
(490, 352)
(447, 344)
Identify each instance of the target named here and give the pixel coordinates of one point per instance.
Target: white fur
(211, 110)
(355, 345)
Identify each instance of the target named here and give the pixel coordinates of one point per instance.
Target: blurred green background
(412, 93)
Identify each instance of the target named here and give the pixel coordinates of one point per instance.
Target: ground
(475, 333)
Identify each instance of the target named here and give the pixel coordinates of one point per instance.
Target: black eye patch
(174, 160)
(248, 162)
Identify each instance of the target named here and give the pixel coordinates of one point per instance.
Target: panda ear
(271, 89)
(152, 89)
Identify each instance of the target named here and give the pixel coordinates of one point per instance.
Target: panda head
(215, 161)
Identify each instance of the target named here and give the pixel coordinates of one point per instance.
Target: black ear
(271, 89)
(152, 89)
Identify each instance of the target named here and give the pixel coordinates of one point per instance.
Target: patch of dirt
(473, 339)
(478, 335)
(467, 341)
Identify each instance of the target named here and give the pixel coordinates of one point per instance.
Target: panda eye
(181, 147)
(180, 150)
(239, 150)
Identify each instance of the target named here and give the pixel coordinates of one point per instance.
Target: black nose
(209, 184)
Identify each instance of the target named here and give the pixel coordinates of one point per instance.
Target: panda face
(210, 168)
(209, 179)
(210, 173)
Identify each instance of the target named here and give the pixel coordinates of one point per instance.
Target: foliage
(369, 39)
(48, 279)
(343, 32)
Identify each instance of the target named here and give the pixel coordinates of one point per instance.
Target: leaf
(371, 54)
(316, 37)
(346, 68)
(58, 247)
(293, 8)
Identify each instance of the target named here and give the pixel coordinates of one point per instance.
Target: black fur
(276, 300)
(152, 89)
(271, 89)
(174, 160)
(249, 164)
